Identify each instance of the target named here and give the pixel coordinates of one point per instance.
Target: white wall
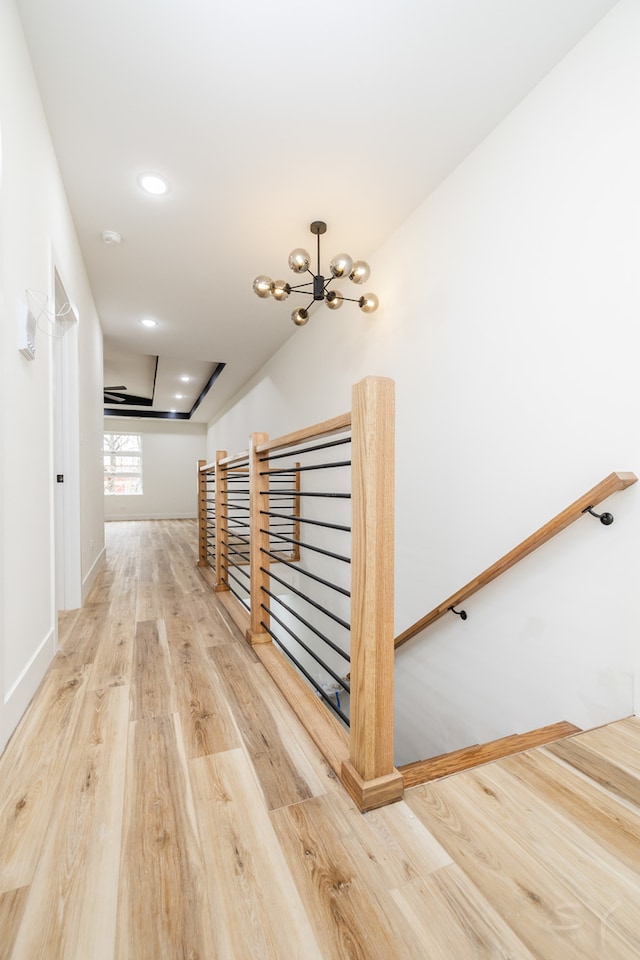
(509, 321)
(170, 451)
(37, 235)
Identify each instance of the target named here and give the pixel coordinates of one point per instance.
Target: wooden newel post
(258, 521)
(202, 515)
(369, 775)
(222, 531)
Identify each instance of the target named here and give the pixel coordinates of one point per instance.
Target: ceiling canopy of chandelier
(318, 287)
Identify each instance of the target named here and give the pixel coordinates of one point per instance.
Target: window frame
(123, 475)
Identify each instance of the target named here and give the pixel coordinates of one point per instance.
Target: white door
(66, 467)
(58, 471)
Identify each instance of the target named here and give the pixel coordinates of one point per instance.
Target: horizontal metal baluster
(314, 466)
(303, 596)
(312, 681)
(233, 577)
(312, 576)
(299, 493)
(307, 546)
(325, 666)
(321, 636)
(295, 452)
(316, 523)
(238, 553)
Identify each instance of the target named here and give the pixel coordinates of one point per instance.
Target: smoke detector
(111, 237)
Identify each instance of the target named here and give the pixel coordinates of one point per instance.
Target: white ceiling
(264, 117)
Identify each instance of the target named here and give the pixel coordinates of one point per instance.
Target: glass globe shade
(299, 260)
(262, 286)
(334, 300)
(281, 289)
(300, 316)
(341, 265)
(368, 303)
(360, 271)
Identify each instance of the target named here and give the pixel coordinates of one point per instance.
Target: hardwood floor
(159, 801)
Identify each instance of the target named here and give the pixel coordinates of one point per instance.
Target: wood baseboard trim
(235, 610)
(208, 574)
(329, 736)
(423, 771)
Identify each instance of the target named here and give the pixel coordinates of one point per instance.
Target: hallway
(159, 801)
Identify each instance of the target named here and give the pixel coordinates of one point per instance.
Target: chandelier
(318, 287)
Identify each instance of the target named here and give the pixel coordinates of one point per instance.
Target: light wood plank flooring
(160, 801)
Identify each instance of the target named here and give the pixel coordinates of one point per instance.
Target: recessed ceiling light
(154, 184)
(149, 322)
(179, 396)
(185, 379)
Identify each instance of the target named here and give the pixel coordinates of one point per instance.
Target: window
(122, 463)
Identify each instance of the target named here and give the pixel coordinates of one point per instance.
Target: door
(66, 467)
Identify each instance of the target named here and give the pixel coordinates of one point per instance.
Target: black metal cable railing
(307, 563)
(210, 481)
(233, 507)
(236, 515)
(283, 533)
(286, 545)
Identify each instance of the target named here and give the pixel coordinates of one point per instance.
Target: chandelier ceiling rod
(318, 227)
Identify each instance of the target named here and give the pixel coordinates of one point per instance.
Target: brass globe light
(341, 267)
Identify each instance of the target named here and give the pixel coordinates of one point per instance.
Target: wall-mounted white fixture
(35, 313)
(26, 332)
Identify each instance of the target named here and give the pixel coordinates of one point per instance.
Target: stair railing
(255, 515)
(206, 514)
(584, 504)
(266, 514)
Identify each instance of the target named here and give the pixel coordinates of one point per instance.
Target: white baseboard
(88, 581)
(19, 695)
(151, 516)
(636, 691)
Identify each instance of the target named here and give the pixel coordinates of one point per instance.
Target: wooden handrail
(602, 490)
(323, 429)
(235, 458)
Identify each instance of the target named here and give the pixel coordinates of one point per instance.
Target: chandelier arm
(298, 286)
(318, 239)
(352, 299)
